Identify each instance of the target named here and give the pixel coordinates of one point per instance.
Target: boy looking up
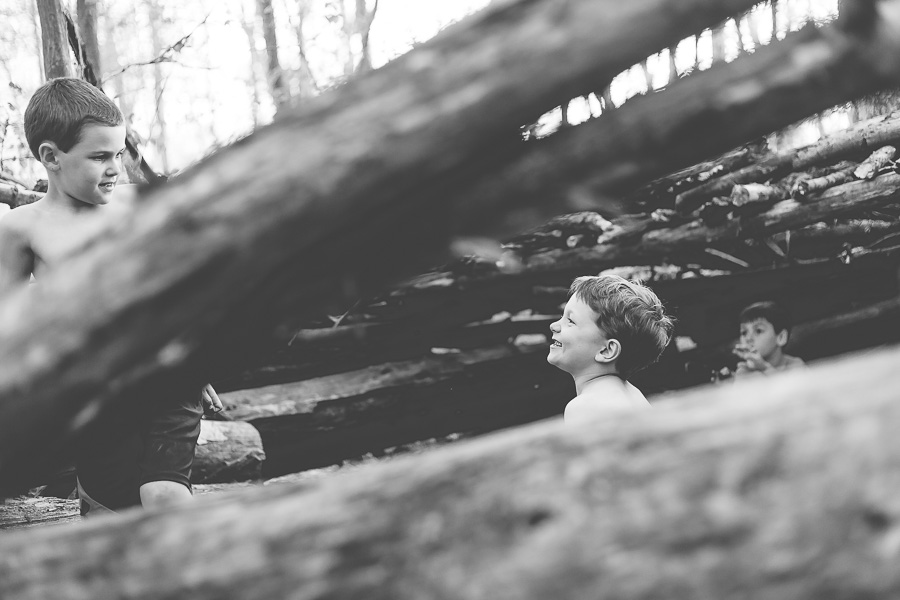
(136, 454)
(610, 328)
(765, 329)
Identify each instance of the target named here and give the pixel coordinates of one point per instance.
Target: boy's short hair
(629, 312)
(61, 107)
(772, 312)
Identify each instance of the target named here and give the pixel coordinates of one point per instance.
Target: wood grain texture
(779, 487)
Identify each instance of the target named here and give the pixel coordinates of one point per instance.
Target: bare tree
(155, 14)
(718, 43)
(36, 32)
(357, 22)
(275, 76)
(248, 24)
(307, 82)
(57, 59)
(86, 13)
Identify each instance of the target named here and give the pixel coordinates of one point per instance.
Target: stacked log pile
(462, 349)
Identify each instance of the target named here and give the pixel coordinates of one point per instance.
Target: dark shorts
(152, 439)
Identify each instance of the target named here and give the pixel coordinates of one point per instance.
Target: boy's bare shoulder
(793, 361)
(20, 220)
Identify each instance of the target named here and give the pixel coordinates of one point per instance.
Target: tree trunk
(155, 16)
(86, 12)
(248, 24)
(35, 20)
(275, 76)
(308, 86)
(648, 76)
(673, 68)
(785, 486)
(718, 43)
(57, 59)
(193, 282)
(363, 26)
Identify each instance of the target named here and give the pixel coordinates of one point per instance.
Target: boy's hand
(211, 400)
(751, 361)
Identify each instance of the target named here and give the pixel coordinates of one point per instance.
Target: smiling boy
(765, 328)
(610, 328)
(139, 452)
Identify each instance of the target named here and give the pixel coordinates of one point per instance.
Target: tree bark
(785, 486)
(57, 59)
(192, 281)
(25, 511)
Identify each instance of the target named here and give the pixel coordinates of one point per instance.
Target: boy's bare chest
(55, 238)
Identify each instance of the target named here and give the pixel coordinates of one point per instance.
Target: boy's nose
(554, 326)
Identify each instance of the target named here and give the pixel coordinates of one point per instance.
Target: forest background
(194, 77)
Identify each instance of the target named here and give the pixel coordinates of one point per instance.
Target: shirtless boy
(141, 454)
(610, 328)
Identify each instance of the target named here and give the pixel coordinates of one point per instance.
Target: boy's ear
(49, 155)
(610, 352)
(781, 338)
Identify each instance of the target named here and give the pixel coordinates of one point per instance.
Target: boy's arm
(16, 256)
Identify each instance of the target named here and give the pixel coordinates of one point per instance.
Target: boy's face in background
(760, 335)
(576, 338)
(89, 171)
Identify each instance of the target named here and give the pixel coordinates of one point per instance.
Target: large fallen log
(323, 421)
(342, 190)
(782, 486)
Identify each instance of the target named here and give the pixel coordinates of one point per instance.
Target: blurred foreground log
(786, 486)
(348, 193)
